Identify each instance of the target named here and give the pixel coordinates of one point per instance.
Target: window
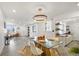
(34, 28)
(9, 27)
(48, 26)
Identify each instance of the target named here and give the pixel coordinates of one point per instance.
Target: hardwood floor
(15, 44)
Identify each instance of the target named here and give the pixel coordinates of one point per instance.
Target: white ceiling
(26, 10)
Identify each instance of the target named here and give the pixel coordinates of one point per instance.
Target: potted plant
(74, 50)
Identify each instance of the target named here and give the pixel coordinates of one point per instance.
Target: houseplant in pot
(74, 51)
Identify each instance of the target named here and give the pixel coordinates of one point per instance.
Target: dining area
(40, 46)
(37, 31)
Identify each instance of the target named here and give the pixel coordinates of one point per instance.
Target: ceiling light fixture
(77, 4)
(13, 11)
(40, 16)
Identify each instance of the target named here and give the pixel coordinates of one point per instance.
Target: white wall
(75, 30)
(71, 19)
(1, 33)
(22, 30)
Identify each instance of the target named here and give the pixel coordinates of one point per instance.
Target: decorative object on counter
(58, 23)
(41, 38)
(52, 30)
(57, 29)
(68, 32)
(16, 35)
(60, 29)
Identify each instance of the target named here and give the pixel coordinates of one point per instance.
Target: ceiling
(26, 10)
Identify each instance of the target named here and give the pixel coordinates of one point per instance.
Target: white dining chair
(35, 50)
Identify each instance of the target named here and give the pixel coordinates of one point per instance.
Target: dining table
(48, 46)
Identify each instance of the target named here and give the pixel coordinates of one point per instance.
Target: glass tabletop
(48, 43)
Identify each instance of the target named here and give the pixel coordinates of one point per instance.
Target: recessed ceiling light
(13, 10)
(77, 4)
